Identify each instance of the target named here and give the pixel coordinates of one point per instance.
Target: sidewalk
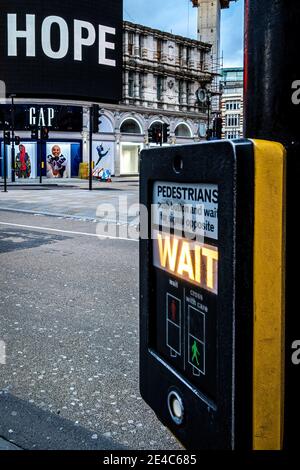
(71, 198)
(5, 445)
(67, 182)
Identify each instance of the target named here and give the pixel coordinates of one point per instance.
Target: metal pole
(91, 151)
(13, 153)
(208, 118)
(40, 142)
(272, 70)
(5, 162)
(272, 112)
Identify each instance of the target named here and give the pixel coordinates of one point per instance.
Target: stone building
(162, 73)
(232, 102)
(209, 31)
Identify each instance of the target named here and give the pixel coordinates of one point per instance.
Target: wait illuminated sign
(194, 262)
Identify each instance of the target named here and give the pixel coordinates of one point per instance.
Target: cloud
(176, 15)
(232, 34)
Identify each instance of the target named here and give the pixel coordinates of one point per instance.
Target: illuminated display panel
(194, 262)
(70, 49)
(185, 258)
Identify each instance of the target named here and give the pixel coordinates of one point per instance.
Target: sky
(179, 17)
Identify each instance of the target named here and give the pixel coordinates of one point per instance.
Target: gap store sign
(70, 49)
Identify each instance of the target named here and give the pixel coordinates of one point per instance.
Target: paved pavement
(69, 320)
(107, 201)
(6, 445)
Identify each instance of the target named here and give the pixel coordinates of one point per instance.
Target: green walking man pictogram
(195, 353)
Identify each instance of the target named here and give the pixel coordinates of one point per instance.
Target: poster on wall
(58, 160)
(63, 159)
(103, 157)
(25, 160)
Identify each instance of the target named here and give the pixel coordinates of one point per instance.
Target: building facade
(161, 75)
(232, 102)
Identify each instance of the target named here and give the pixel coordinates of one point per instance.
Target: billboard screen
(70, 49)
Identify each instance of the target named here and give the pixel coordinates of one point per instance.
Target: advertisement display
(62, 159)
(25, 160)
(103, 157)
(58, 160)
(70, 49)
(54, 117)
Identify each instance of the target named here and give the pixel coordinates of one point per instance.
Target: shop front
(129, 162)
(59, 156)
(132, 142)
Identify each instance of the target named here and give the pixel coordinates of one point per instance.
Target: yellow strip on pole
(269, 295)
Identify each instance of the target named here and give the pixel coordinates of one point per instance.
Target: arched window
(183, 130)
(130, 126)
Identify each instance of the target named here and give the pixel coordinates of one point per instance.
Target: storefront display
(63, 159)
(23, 163)
(25, 160)
(103, 157)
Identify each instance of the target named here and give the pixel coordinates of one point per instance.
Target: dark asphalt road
(69, 319)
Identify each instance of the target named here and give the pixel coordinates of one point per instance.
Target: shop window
(129, 160)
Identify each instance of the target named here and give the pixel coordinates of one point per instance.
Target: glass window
(232, 120)
(183, 131)
(131, 84)
(159, 88)
(130, 43)
(159, 49)
(141, 85)
(142, 44)
(129, 160)
(180, 91)
(188, 91)
(130, 126)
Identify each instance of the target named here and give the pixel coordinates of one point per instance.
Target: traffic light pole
(13, 154)
(40, 141)
(272, 112)
(208, 133)
(91, 150)
(5, 162)
(161, 135)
